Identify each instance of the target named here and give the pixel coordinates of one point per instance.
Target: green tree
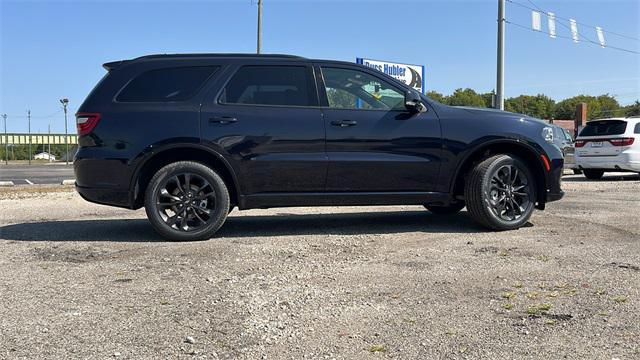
(488, 99)
(566, 109)
(540, 106)
(437, 97)
(633, 109)
(609, 106)
(465, 97)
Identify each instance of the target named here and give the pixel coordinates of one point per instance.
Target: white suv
(608, 145)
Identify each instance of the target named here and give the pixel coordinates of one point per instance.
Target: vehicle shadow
(238, 225)
(606, 177)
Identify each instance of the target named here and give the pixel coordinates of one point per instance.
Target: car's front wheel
(500, 192)
(186, 201)
(593, 174)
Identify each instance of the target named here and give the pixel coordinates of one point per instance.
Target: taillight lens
(580, 143)
(622, 141)
(85, 122)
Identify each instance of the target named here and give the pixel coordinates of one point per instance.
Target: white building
(44, 156)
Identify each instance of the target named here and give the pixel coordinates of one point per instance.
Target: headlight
(547, 134)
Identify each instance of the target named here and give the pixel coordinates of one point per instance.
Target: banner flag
(536, 21)
(600, 36)
(574, 30)
(551, 21)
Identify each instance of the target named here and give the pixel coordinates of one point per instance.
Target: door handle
(223, 120)
(344, 123)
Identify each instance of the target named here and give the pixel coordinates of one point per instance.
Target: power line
(569, 38)
(537, 8)
(38, 117)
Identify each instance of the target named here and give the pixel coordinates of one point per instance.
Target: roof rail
(219, 55)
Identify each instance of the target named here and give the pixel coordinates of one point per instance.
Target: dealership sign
(412, 75)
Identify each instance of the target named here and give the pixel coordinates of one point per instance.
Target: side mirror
(413, 102)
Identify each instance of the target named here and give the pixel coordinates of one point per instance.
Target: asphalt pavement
(36, 174)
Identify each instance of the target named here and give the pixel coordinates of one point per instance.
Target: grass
(543, 258)
(509, 295)
(518, 285)
(601, 291)
(538, 309)
(620, 299)
(377, 348)
(507, 306)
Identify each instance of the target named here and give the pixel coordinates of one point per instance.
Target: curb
(6, 183)
(69, 182)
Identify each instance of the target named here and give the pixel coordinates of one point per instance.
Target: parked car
(190, 137)
(609, 145)
(564, 141)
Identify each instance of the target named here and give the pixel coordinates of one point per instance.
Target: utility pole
(259, 46)
(6, 141)
(49, 141)
(29, 117)
(500, 72)
(64, 103)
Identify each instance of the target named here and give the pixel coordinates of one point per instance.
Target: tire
(454, 208)
(494, 208)
(186, 201)
(593, 174)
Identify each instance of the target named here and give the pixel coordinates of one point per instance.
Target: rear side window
(608, 127)
(269, 85)
(163, 85)
(637, 129)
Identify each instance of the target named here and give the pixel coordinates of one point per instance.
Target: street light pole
(29, 117)
(6, 141)
(259, 45)
(500, 72)
(64, 103)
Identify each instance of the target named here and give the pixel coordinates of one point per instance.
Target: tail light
(622, 141)
(580, 143)
(85, 122)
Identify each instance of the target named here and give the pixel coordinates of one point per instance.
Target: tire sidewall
(496, 221)
(220, 211)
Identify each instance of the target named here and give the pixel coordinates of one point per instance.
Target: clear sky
(54, 49)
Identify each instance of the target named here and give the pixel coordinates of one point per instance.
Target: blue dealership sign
(412, 75)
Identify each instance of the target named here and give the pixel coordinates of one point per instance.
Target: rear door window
(604, 128)
(164, 85)
(278, 85)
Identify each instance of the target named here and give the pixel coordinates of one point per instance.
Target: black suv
(191, 136)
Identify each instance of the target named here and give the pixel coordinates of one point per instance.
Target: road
(81, 280)
(36, 173)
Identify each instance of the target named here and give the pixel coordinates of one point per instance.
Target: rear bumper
(105, 196)
(629, 161)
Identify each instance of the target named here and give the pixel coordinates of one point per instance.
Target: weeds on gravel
(507, 306)
(518, 285)
(509, 295)
(377, 348)
(620, 299)
(600, 291)
(538, 309)
(543, 258)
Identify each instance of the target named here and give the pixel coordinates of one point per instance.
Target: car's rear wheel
(500, 192)
(186, 201)
(446, 210)
(593, 174)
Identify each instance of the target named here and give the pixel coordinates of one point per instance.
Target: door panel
(373, 143)
(271, 148)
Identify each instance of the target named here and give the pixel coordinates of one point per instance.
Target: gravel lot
(79, 280)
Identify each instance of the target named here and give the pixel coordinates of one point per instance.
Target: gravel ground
(79, 280)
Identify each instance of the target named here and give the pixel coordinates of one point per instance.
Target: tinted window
(606, 127)
(567, 135)
(172, 84)
(637, 129)
(352, 89)
(269, 85)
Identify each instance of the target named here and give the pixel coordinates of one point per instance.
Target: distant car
(609, 145)
(191, 136)
(564, 141)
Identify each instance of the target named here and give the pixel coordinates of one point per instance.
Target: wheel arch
(521, 149)
(180, 152)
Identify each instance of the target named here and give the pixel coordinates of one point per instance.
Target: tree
(539, 106)
(437, 97)
(566, 109)
(465, 97)
(633, 109)
(609, 106)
